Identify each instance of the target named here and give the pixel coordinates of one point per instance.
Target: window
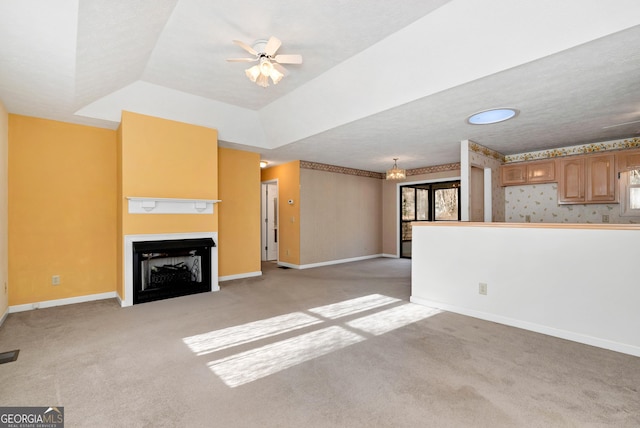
(630, 192)
(426, 202)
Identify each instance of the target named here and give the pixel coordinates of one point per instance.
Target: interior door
(269, 221)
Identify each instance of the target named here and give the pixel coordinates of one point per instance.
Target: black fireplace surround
(172, 268)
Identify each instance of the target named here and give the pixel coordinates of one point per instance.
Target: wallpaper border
(582, 149)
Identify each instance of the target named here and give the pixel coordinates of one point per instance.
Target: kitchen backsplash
(540, 203)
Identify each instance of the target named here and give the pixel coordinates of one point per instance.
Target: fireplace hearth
(171, 268)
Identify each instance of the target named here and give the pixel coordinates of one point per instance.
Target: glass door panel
(426, 202)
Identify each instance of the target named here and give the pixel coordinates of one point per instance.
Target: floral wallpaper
(575, 150)
(538, 203)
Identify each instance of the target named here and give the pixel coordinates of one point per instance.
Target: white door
(269, 221)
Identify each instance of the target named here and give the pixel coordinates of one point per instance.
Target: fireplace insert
(172, 268)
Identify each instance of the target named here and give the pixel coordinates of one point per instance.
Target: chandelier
(396, 173)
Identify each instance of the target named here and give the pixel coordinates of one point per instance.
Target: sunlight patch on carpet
(332, 329)
(353, 306)
(392, 319)
(257, 363)
(225, 338)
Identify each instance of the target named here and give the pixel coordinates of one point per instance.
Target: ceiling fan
(264, 52)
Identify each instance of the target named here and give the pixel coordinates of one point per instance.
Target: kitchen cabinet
(628, 159)
(528, 173)
(587, 179)
(541, 172)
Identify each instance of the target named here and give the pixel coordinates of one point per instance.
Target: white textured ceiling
(379, 80)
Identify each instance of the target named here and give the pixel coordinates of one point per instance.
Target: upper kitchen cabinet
(528, 173)
(587, 180)
(628, 159)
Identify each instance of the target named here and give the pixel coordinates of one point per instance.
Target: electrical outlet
(55, 280)
(482, 288)
(288, 253)
(527, 218)
(605, 218)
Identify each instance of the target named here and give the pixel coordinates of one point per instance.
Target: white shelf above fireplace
(146, 205)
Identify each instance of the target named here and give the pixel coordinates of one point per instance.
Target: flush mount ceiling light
(396, 173)
(263, 164)
(268, 66)
(495, 115)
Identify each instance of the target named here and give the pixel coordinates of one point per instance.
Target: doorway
(426, 202)
(269, 229)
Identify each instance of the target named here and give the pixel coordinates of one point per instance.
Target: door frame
(263, 226)
(399, 202)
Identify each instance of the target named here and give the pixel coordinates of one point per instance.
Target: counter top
(591, 226)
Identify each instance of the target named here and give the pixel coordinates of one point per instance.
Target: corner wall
(4, 212)
(61, 210)
(238, 213)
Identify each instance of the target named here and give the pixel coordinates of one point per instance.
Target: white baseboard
(289, 265)
(61, 302)
(4, 316)
(390, 256)
(337, 262)
(538, 328)
(239, 276)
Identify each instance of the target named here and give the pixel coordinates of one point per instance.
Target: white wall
(576, 283)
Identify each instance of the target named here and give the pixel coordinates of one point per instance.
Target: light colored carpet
(323, 347)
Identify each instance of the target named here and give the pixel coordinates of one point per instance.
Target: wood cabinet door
(571, 182)
(601, 178)
(541, 172)
(511, 175)
(629, 160)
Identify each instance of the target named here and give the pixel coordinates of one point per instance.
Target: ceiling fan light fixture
(253, 73)
(269, 64)
(276, 76)
(396, 173)
(494, 115)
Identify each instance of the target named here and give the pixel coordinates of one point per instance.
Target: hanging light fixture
(396, 173)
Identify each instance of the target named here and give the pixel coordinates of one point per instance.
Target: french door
(426, 202)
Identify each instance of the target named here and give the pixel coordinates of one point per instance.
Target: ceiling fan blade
(246, 47)
(281, 69)
(288, 59)
(272, 46)
(242, 59)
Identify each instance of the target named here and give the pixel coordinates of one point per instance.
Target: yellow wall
(288, 176)
(119, 207)
(4, 242)
(62, 209)
(239, 212)
(165, 159)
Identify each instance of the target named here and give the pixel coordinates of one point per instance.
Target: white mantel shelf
(146, 205)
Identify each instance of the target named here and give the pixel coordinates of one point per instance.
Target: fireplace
(169, 265)
(164, 269)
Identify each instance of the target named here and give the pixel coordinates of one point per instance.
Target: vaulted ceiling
(379, 79)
